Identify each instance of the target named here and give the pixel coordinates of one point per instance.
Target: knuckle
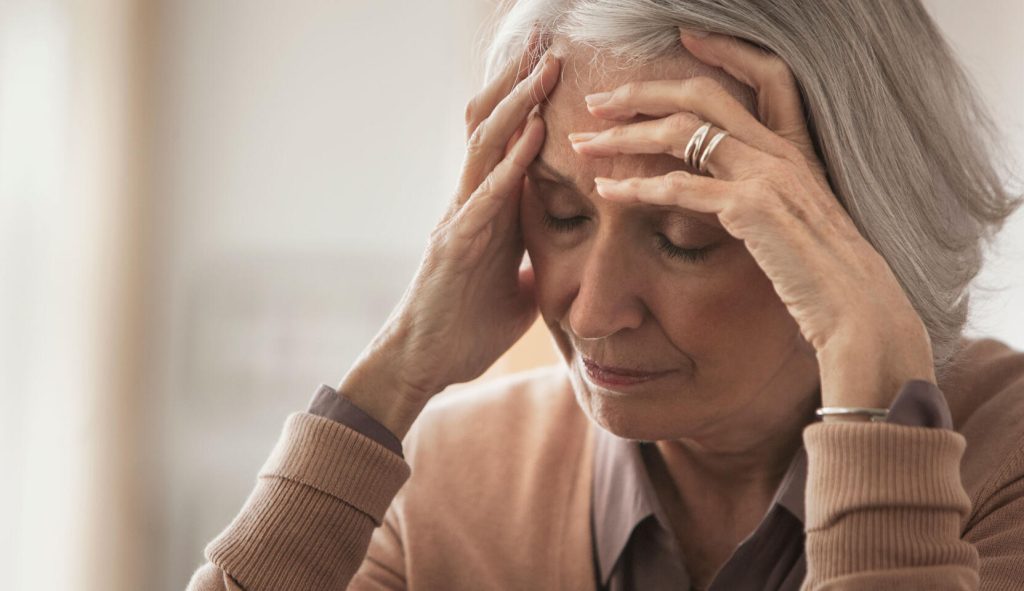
(615, 133)
(524, 87)
(471, 108)
(668, 134)
(676, 179)
(486, 187)
(517, 90)
(705, 85)
(628, 92)
(440, 234)
(477, 139)
(779, 70)
(765, 192)
(629, 184)
(752, 195)
(682, 123)
(676, 132)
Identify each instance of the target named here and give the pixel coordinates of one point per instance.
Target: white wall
(303, 152)
(988, 37)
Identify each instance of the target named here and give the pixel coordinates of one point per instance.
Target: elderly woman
(751, 227)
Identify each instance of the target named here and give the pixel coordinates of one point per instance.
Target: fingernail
(598, 98)
(602, 182)
(694, 33)
(583, 136)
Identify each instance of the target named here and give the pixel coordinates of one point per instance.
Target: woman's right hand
(469, 301)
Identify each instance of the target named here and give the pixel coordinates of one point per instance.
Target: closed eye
(693, 255)
(563, 224)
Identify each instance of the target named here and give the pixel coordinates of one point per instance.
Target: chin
(639, 416)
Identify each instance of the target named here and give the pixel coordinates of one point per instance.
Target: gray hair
(907, 143)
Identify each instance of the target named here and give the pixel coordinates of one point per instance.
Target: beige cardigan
(887, 506)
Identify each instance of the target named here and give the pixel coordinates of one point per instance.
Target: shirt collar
(623, 495)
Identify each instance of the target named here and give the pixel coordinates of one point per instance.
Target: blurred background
(207, 209)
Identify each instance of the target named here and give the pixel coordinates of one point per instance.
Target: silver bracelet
(876, 414)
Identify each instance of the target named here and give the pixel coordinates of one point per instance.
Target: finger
(730, 159)
(518, 132)
(778, 99)
(677, 188)
(481, 105)
(703, 96)
(486, 146)
(512, 140)
(505, 180)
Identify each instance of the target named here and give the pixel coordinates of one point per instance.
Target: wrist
(373, 384)
(868, 371)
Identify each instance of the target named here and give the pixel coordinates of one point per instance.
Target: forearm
(308, 522)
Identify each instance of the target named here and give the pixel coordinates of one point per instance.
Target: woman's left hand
(769, 189)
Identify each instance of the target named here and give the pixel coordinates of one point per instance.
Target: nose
(607, 298)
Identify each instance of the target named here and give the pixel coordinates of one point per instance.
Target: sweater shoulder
(985, 392)
(504, 412)
(500, 469)
(508, 454)
(984, 386)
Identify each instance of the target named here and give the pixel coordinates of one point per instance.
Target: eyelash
(693, 255)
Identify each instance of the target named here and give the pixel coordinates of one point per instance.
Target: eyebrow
(539, 165)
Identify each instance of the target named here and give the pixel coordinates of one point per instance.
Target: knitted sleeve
(308, 521)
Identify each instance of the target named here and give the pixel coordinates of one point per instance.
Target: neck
(743, 463)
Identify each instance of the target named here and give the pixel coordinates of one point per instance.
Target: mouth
(608, 376)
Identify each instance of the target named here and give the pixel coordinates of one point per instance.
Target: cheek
(733, 313)
(751, 305)
(551, 267)
(551, 270)
(548, 262)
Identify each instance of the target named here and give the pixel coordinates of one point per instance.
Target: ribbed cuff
(853, 466)
(309, 520)
(331, 404)
(883, 496)
(339, 461)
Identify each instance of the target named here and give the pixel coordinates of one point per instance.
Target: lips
(618, 376)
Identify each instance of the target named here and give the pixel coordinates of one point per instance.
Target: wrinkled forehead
(586, 71)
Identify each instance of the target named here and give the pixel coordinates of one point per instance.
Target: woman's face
(612, 287)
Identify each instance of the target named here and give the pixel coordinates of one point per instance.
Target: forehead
(586, 71)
